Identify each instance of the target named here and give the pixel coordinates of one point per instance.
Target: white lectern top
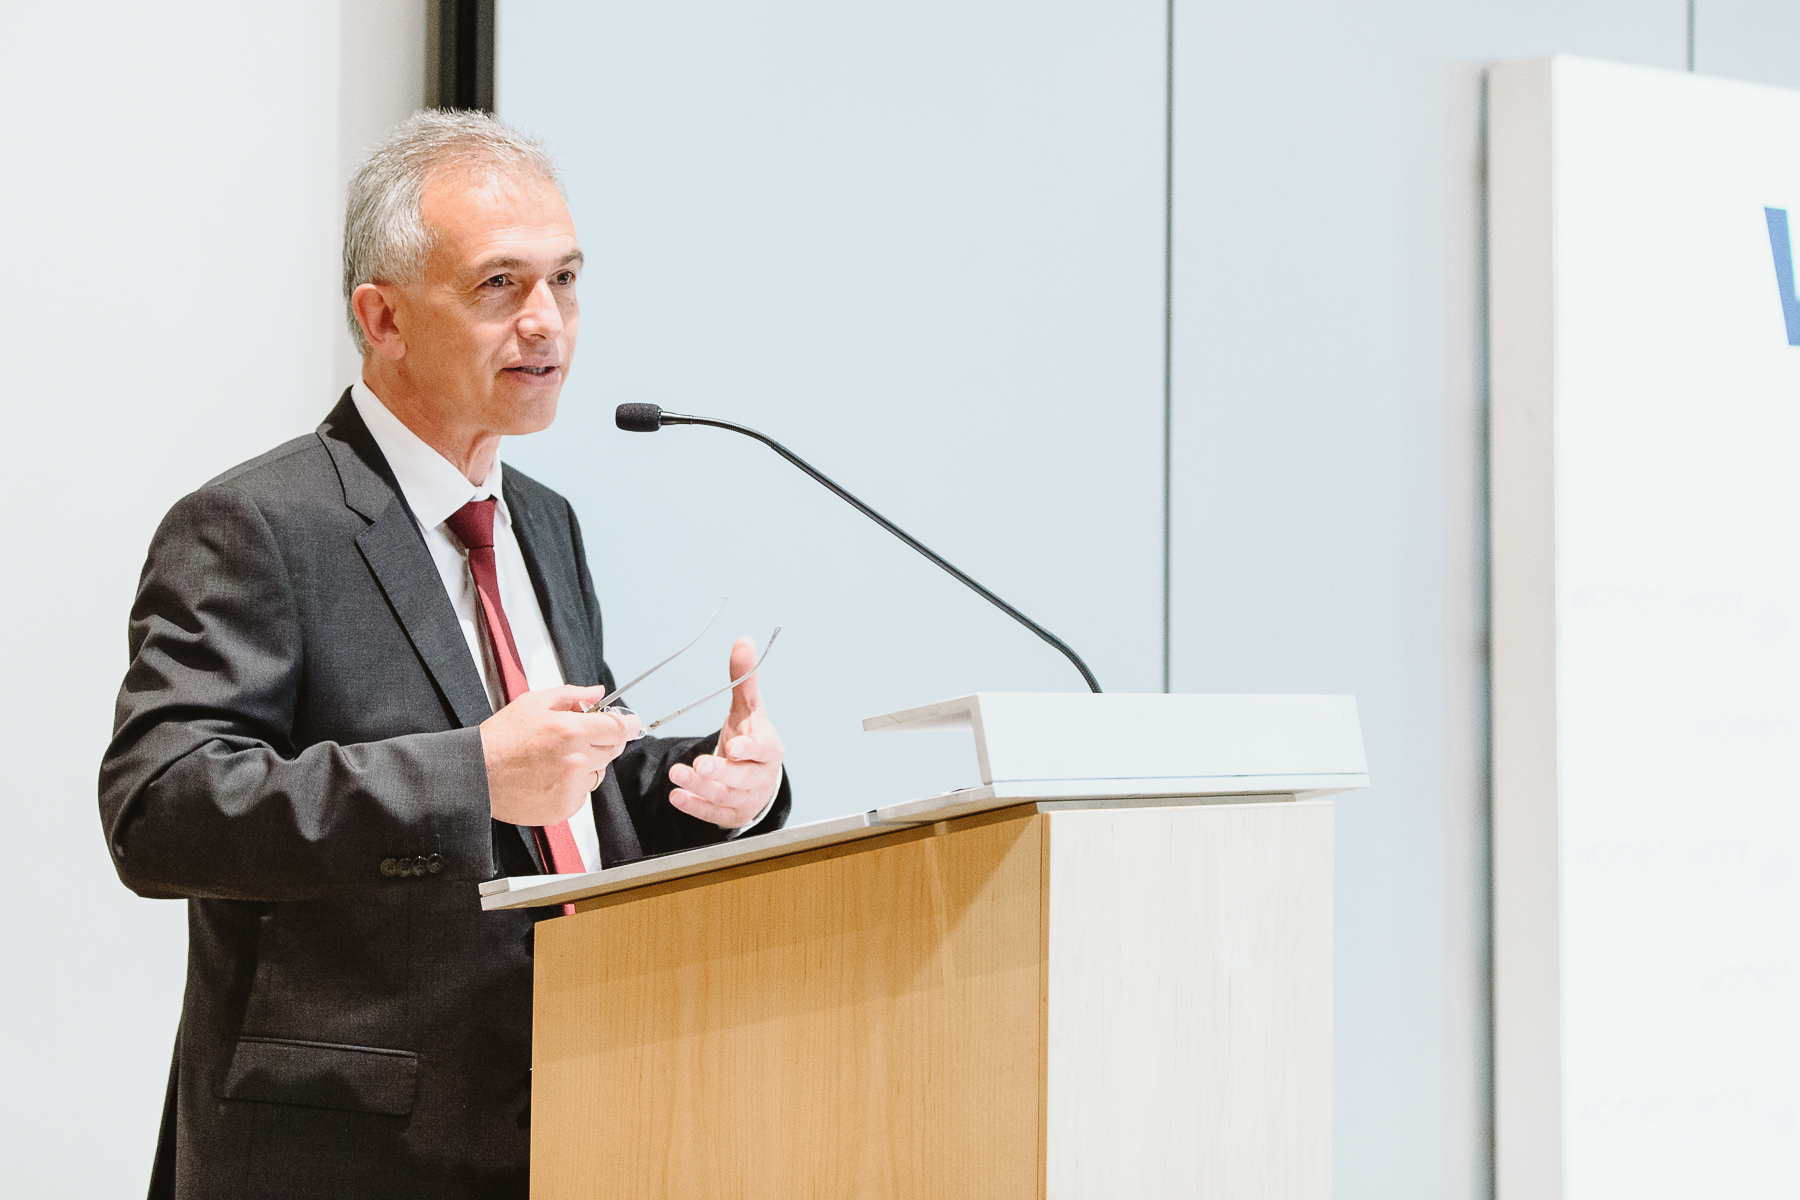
(1074, 749)
(1152, 745)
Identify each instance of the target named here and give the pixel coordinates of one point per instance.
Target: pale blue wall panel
(1754, 40)
(922, 246)
(1327, 379)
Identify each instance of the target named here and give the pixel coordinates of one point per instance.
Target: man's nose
(541, 317)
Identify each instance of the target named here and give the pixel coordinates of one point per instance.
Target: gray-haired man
(357, 669)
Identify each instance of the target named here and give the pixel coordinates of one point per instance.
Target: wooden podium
(1066, 982)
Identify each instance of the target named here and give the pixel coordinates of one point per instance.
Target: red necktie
(473, 525)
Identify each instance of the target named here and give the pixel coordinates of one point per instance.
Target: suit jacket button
(419, 867)
(435, 863)
(390, 867)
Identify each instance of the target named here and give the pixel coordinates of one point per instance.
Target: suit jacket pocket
(321, 1075)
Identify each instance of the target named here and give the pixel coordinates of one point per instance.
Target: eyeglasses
(604, 704)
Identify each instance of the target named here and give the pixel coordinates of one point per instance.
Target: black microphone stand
(648, 418)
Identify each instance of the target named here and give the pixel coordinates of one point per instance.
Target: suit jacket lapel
(395, 551)
(396, 554)
(548, 546)
(553, 577)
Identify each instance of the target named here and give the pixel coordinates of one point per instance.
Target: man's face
(489, 328)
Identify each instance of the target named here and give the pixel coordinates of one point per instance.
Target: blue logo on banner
(1784, 271)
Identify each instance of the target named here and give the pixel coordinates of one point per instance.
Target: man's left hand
(730, 788)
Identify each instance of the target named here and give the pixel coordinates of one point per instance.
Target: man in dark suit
(358, 665)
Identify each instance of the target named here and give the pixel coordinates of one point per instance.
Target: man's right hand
(543, 753)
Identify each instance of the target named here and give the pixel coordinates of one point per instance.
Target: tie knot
(473, 524)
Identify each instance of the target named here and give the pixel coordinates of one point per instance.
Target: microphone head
(638, 418)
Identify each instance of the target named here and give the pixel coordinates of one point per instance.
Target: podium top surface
(1076, 750)
(1151, 744)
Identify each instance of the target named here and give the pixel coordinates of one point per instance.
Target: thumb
(746, 697)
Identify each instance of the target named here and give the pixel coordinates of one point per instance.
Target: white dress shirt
(434, 489)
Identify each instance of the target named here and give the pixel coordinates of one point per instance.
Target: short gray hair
(385, 234)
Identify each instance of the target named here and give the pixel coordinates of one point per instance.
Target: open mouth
(537, 372)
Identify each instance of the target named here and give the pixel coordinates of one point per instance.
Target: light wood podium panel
(1037, 1001)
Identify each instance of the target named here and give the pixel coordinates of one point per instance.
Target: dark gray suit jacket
(301, 707)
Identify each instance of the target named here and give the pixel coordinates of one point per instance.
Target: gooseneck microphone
(648, 418)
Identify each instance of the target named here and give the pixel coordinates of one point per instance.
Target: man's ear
(373, 304)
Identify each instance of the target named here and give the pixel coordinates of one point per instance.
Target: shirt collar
(433, 486)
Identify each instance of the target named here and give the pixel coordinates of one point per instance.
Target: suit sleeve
(642, 771)
(203, 792)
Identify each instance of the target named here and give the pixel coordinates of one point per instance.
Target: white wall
(173, 201)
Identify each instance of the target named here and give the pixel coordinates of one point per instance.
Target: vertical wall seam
(1168, 462)
(1484, 593)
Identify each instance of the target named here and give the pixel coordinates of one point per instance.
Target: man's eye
(565, 277)
(494, 281)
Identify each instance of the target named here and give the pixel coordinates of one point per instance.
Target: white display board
(1646, 501)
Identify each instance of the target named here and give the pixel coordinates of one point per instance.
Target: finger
(569, 698)
(723, 815)
(745, 788)
(756, 782)
(596, 747)
(738, 772)
(705, 785)
(742, 787)
(606, 728)
(738, 777)
(593, 731)
(755, 747)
